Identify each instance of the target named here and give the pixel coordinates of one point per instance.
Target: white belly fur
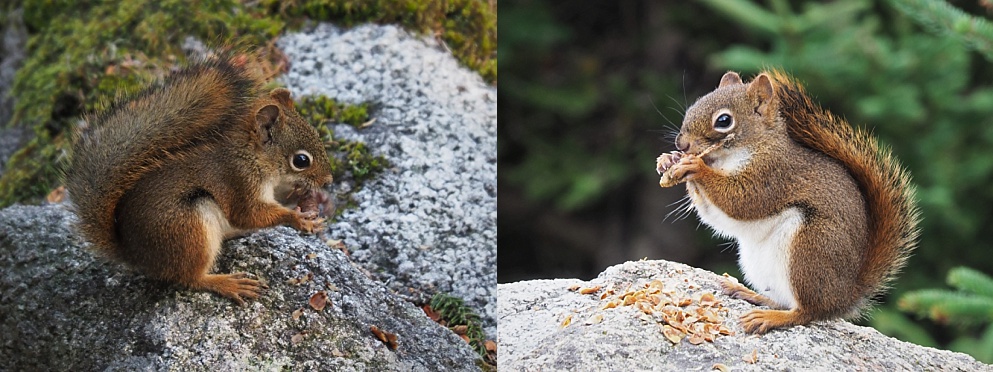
(216, 226)
(763, 245)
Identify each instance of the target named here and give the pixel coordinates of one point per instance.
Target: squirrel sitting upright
(160, 179)
(822, 214)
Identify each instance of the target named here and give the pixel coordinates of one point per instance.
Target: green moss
(321, 109)
(455, 313)
(349, 159)
(82, 54)
(32, 170)
(468, 27)
(360, 162)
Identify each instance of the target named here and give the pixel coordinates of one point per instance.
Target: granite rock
(61, 308)
(532, 336)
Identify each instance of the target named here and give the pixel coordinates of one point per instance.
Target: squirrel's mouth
(663, 163)
(307, 198)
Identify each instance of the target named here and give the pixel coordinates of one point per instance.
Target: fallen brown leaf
(319, 300)
(300, 280)
(390, 339)
(297, 313)
(433, 315)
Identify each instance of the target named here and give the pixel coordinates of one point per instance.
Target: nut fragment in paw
(316, 201)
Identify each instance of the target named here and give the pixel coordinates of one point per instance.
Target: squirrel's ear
(282, 95)
(265, 119)
(761, 90)
(730, 78)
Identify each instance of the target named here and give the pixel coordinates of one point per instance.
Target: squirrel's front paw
(308, 222)
(662, 165)
(666, 161)
(686, 168)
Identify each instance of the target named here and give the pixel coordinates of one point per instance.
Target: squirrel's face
(733, 116)
(294, 147)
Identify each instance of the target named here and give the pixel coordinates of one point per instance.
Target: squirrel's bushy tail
(136, 134)
(892, 213)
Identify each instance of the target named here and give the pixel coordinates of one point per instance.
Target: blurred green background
(591, 91)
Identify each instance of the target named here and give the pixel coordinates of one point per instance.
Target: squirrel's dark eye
(300, 160)
(723, 123)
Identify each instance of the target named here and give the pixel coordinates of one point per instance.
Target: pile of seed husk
(698, 318)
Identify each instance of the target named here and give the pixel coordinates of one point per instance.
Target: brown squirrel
(160, 179)
(822, 214)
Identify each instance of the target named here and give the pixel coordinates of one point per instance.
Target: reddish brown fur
(162, 178)
(893, 216)
(859, 220)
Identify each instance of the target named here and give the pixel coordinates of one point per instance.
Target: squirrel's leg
(182, 247)
(741, 292)
(761, 321)
(834, 275)
(257, 214)
(234, 286)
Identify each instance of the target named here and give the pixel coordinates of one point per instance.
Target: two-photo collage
(462, 185)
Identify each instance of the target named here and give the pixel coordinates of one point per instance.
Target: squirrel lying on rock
(161, 178)
(823, 216)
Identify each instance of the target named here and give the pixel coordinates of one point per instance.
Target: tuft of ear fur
(282, 95)
(730, 78)
(761, 90)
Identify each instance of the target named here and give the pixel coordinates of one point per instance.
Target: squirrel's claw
(234, 286)
(762, 321)
(665, 161)
(307, 222)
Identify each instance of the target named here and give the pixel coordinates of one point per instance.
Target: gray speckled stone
(429, 223)
(532, 338)
(63, 309)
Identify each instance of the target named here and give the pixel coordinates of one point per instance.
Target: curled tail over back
(138, 133)
(892, 212)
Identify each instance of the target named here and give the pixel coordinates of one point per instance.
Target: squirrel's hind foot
(762, 321)
(234, 286)
(741, 292)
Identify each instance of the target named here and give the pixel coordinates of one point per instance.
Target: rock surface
(429, 223)
(62, 309)
(532, 338)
